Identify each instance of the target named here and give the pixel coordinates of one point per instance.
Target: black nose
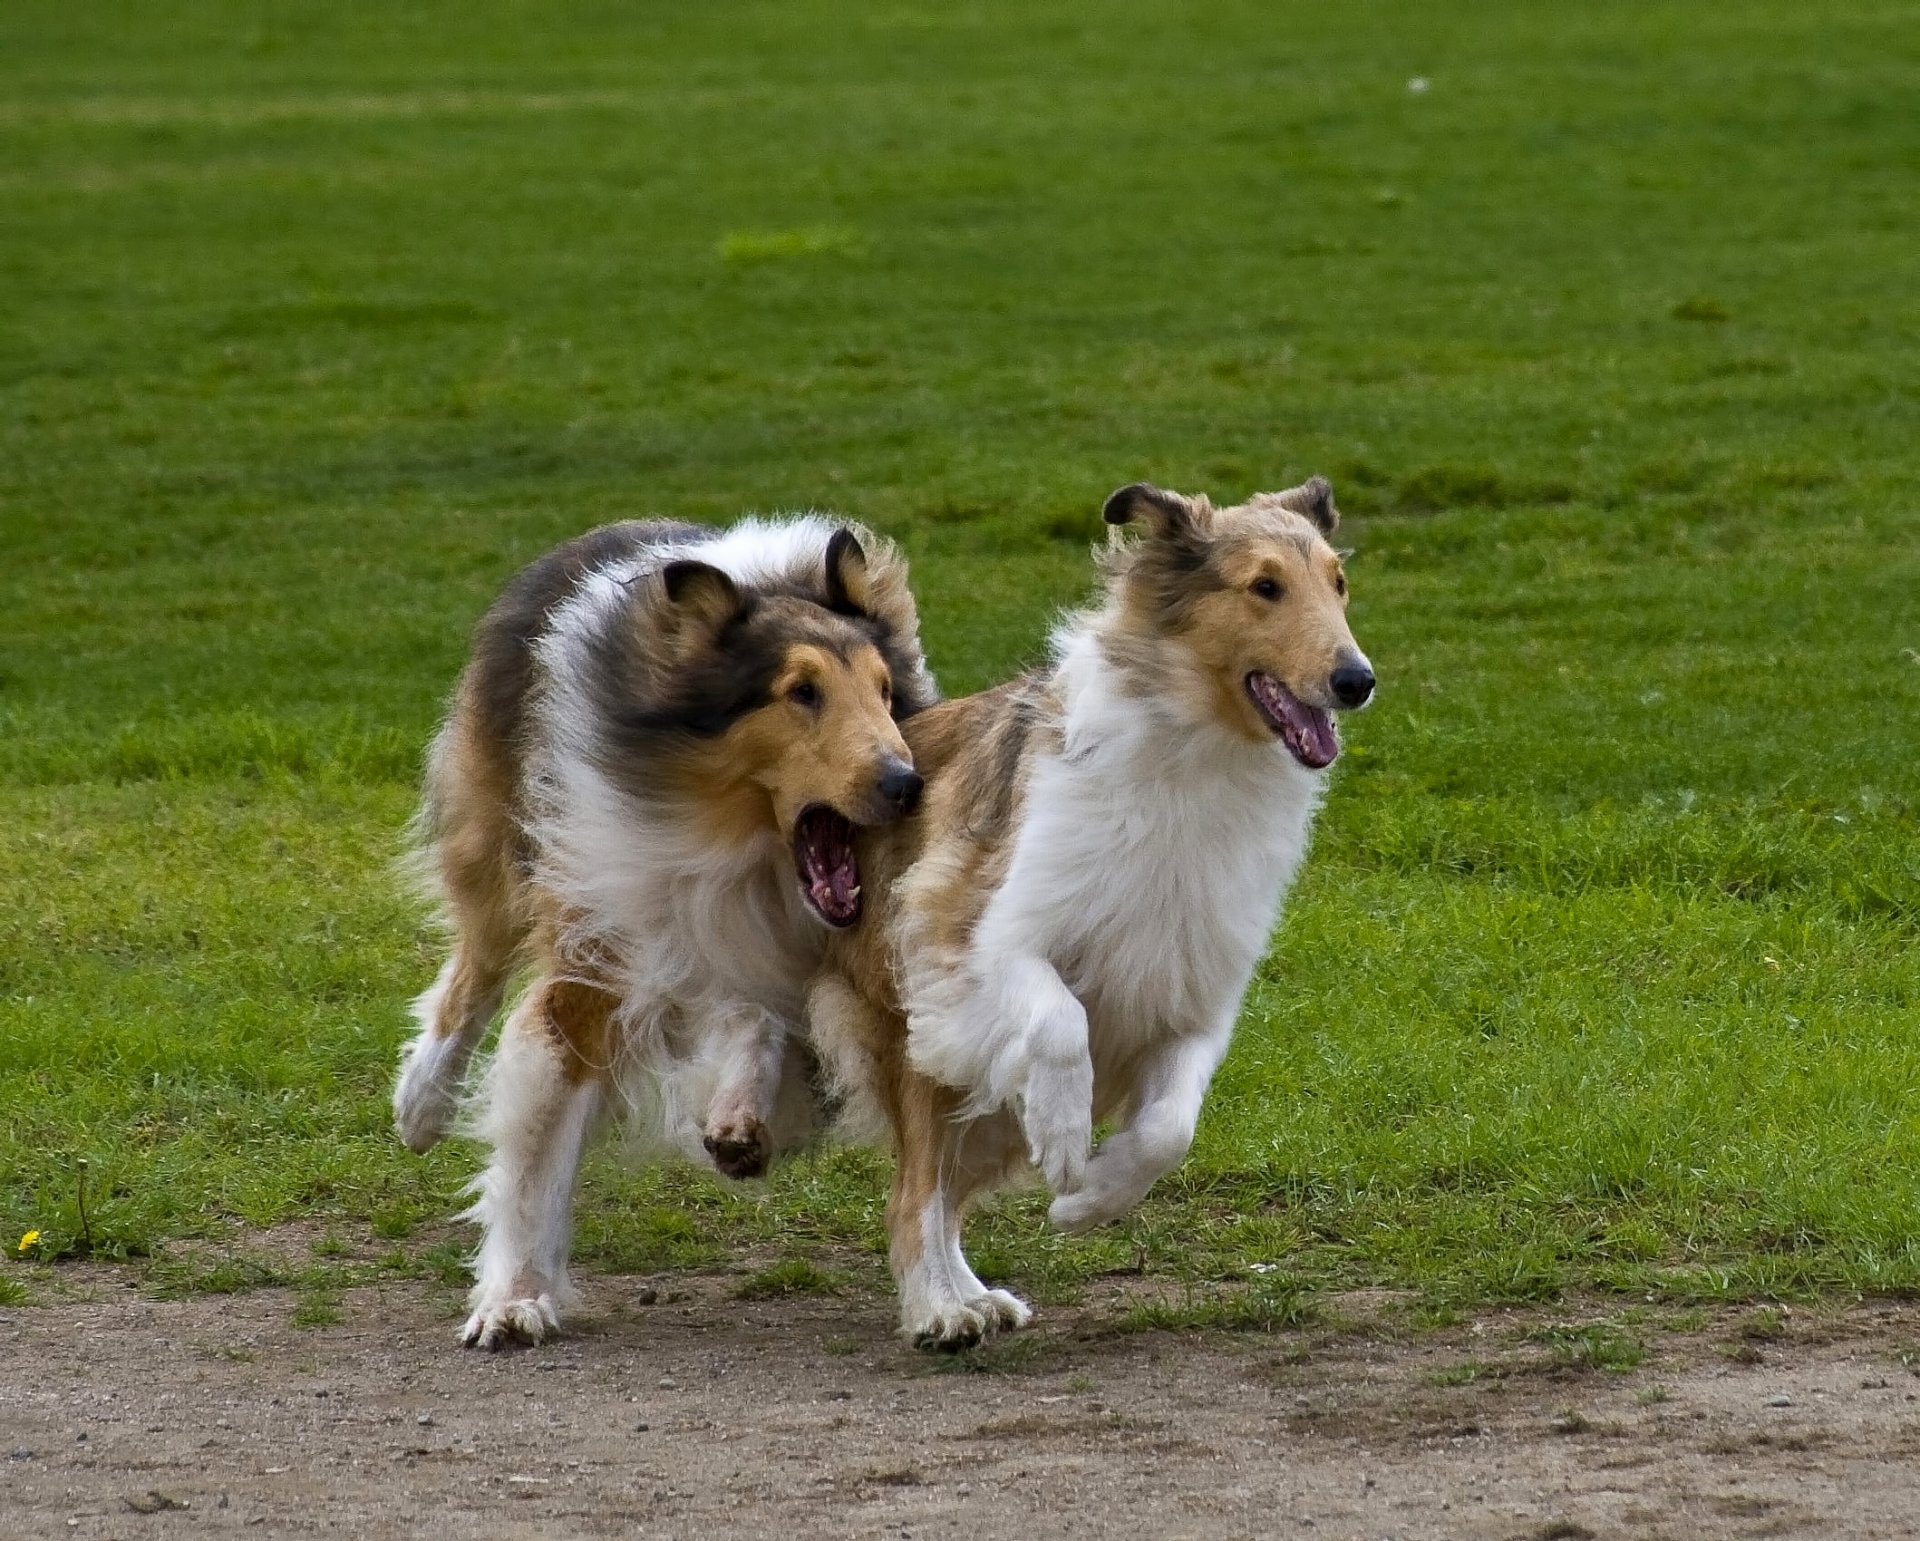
(1352, 684)
(901, 786)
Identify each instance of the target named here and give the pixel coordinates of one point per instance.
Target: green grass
(1603, 973)
(789, 1276)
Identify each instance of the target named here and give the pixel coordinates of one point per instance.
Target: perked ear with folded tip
(700, 599)
(1167, 514)
(849, 585)
(1314, 499)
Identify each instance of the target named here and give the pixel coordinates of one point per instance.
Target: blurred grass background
(319, 321)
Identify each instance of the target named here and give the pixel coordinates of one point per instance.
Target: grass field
(318, 322)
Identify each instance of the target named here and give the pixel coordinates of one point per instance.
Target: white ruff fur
(1149, 862)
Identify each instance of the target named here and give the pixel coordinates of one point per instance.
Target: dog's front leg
(737, 1131)
(1054, 1087)
(545, 1092)
(1155, 1140)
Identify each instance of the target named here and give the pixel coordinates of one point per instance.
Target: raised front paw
(1056, 1115)
(526, 1319)
(1084, 1210)
(740, 1148)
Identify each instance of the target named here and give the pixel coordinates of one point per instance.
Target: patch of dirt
(675, 1409)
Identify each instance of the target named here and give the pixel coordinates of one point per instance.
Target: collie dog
(647, 790)
(1063, 932)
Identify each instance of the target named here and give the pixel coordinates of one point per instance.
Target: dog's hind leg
(453, 1013)
(474, 849)
(545, 1092)
(943, 1159)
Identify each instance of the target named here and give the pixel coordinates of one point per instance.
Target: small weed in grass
(747, 246)
(1767, 1325)
(1271, 1303)
(12, 1292)
(317, 1308)
(1465, 1373)
(1700, 307)
(446, 1263)
(1595, 1346)
(789, 1276)
(233, 1353)
(173, 1278)
(1016, 1355)
(1652, 1396)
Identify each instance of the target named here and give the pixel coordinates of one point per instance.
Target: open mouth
(823, 857)
(1307, 731)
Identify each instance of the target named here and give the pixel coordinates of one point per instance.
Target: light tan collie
(1064, 931)
(647, 789)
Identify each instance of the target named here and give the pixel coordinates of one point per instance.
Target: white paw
(1081, 1211)
(949, 1326)
(426, 1098)
(1003, 1309)
(958, 1324)
(529, 1319)
(1057, 1117)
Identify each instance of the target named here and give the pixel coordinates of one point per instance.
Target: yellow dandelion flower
(28, 1241)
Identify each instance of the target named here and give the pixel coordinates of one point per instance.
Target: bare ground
(676, 1409)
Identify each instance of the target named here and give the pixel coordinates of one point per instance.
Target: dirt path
(698, 1415)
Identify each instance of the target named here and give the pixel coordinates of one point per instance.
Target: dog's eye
(806, 693)
(1340, 583)
(1266, 588)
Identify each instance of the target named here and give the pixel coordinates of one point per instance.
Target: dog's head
(1240, 612)
(791, 702)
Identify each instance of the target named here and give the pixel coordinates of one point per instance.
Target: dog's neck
(1126, 710)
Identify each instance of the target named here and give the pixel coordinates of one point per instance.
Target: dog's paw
(955, 1325)
(1059, 1138)
(741, 1148)
(528, 1319)
(425, 1099)
(947, 1328)
(1056, 1115)
(1004, 1310)
(1084, 1210)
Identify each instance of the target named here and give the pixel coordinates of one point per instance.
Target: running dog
(1065, 929)
(647, 789)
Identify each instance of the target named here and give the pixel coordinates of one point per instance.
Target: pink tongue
(831, 875)
(1316, 731)
(1309, 730)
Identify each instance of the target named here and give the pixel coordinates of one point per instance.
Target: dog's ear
(849, 587)
(1168, 515)
(700, 599)
(1313, 498)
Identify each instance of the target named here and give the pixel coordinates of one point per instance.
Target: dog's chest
(1159, 896)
